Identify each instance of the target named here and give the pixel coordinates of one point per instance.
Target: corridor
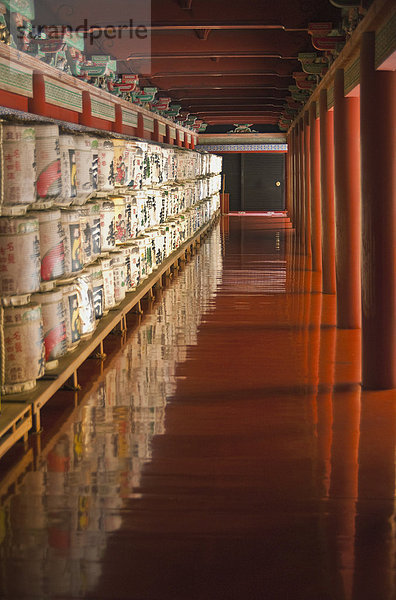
(225, 452)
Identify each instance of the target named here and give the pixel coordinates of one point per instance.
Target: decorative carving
(313, 63)
(325, 38)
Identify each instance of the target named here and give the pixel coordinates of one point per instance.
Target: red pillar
(307, 192)
(301, 194)
(288, 172)
(298, 179)
(140, 127)
(178, 140)
(327, 194)
(314, 171)
(347, 203)
(157, 136)
(117, 125)
(295, 175)
(292, 173)
(378, 139)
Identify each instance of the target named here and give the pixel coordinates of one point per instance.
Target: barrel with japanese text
(86, 234)
(118, 264)
(84, 168)
(18, 166)
(94, 224)
(107, 225)
(52, 248)
(74, 259)
(19, 256)
(54, 325)
(24, 355)
(48, 163)
(105, 165)
(85, 304)
(67, 149)
(97, 289)
(120, 223)
(108, 284)
(72, 314)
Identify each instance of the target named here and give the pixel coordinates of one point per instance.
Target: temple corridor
(225, 450)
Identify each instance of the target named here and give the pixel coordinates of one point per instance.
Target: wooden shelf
(20, 412)
(15, 423)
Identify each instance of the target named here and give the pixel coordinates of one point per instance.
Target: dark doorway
(255, 182)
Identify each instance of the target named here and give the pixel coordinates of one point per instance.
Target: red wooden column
(327, 195)
(314, 172)
(168, 138)
(140, 127)
(301, 194)
(293, 174)
(296, 174)
(157, 136)
(347, 203)
(178, 140)
(378, 143)
(288, 173)
(307, 191)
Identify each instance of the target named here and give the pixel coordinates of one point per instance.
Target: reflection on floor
(225, 452)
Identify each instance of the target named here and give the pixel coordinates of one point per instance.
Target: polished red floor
(226, 451)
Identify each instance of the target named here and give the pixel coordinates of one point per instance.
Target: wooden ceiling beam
(208, 55)
(240, 26)
(223, 73)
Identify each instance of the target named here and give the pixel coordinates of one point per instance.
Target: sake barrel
(105, 165)
(120, 229)
(168, 241)
(125, 251)
(19, 165)
(108, 284)
(74, 260)
(132, 265)
(86, 234)
(72, 315)
(86, 304)
(160, 245)
(150, 234)
(142, 209)
(52, 248)
(94, 222)
(130, 217)
(84, 171)
(48, 163)
(97, 289)
(24, 348)
(19, 256)
(107, 225)
(143, 244)
(67, 148)
(54, 326)
(120, 164)
(118, 264)
(95, 163)
(137, 161)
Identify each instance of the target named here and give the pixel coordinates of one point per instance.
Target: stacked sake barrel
(84, 221)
